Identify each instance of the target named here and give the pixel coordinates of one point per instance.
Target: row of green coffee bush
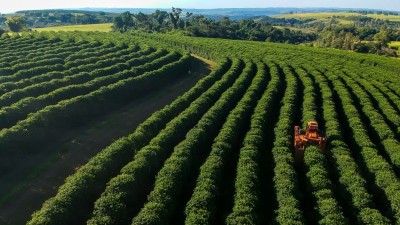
(388, 110)
(7, 41)
(386, 136)
(48, 48)
(391, 96)
(100, 55)
(316, 165)
(122, 196)
(202, 206)
(285, 178)
(25, 43)
(247, 194)
(53, 120)
(26, 73)
(79, 75)
(8, 87)
(80, 191)
(58, 50)
(102, 77)
(381, 171)
(177, 172)
(103, 49)
(353, 187)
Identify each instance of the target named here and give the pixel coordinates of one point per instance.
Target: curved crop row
(27, 44)
(76, 46)
(247, 182)
(174, 174)
(103, 70)
(27, 73)
(29, 59)
(386, 136)
(125, 61)
(100, 56)
(8, 61)
(45, 54)
(77, 110)
(388, 110)
(8, 42)
(354, 185)
(59, 51)
(390, 95)
(16, 63)
(103, 49)
(388, 79)
(118, 200)
(285, 178)
(73, 196)
(327, 206)
(18, 111)
(381, 171)
(9, 87)
(316, 164)
(59, 46)
(33, 64)
(202, 206)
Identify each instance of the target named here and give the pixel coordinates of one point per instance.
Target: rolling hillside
(220, 153)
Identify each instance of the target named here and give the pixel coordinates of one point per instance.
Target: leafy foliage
(201, 159)
(16, 24)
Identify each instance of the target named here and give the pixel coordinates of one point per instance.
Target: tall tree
(16, 24)
(118, 24)
(175, 17)
(123, 22)
(382, 37)
(128, 19)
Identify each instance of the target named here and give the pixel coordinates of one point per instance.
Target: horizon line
(89, 7)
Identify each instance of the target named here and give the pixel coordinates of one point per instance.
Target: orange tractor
(302, 139)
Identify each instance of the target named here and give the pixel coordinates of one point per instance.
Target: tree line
(200, 26)
(57, 17)
(364, 39)
(364, 35)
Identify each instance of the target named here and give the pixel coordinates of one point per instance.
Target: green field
(321, 15)
(218, 151)
(104, 27)
(342, 15)
(294, 29)
(395, 44)
(384, 17)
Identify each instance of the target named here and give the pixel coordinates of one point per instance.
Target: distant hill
(65, 11)
(232, 13)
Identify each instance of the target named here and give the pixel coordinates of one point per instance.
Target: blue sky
(14, 5)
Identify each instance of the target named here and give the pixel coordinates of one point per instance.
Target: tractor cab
(310, 136)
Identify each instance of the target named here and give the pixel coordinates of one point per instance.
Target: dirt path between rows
(39, 177)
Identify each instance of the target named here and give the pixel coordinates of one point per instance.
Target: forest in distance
(355, 30)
